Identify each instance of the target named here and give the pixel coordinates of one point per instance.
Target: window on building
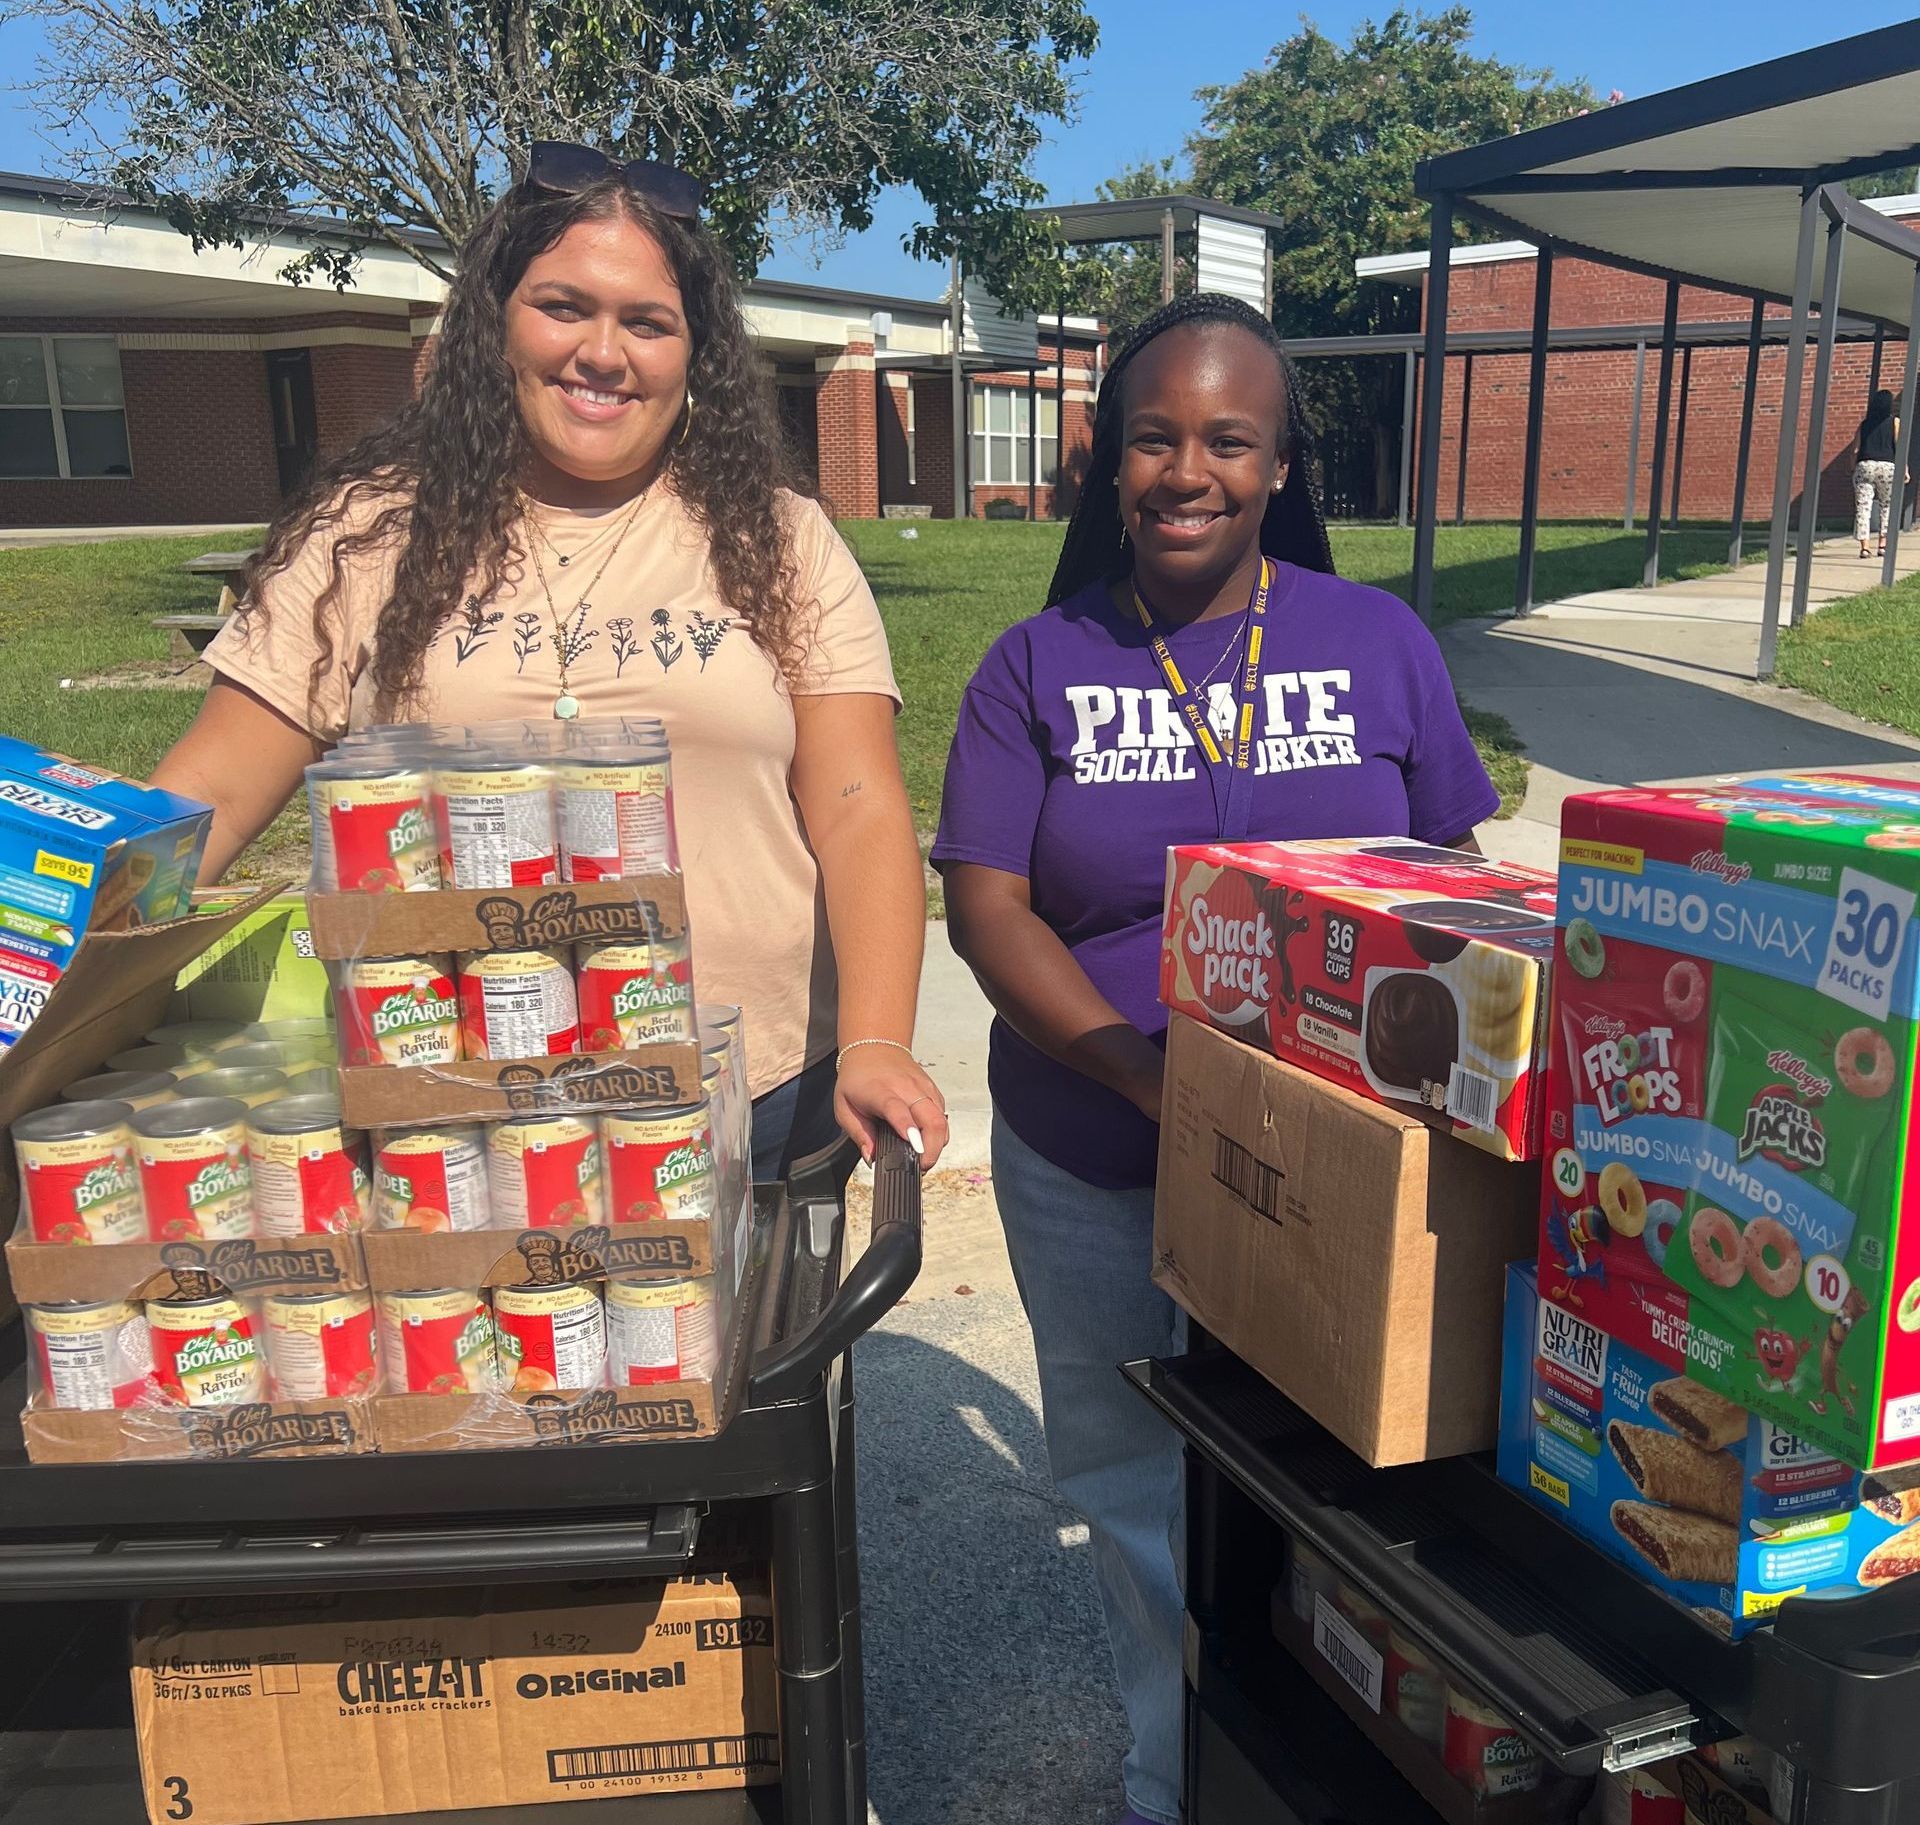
(1002, 436)
(62, 412)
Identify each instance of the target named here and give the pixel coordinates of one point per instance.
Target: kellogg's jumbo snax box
(1412, 974)
(1728, 1096)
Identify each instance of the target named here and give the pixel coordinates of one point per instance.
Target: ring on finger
(918, 1100)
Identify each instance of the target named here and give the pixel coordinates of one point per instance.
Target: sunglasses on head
(564, 169)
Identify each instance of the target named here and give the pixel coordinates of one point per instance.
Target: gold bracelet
(853, 1045)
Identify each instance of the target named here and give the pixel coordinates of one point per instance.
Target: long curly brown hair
(441, 482)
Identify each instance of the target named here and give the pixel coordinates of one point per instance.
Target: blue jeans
(1082, 1259)
(794, 1120)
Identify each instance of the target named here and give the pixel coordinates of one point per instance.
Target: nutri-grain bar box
(1412, 974)
(81, 850)
(1732, 1062)
(1725, 1512)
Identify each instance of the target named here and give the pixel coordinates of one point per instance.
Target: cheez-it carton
(1731, 1175)
(1412, 974)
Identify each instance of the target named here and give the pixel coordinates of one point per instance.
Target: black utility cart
(1599, 1671)
(77, 1544)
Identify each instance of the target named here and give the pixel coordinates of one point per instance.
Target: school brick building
(144, 384)
(1588, 420)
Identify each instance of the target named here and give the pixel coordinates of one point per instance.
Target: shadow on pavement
(1592, 716)
(988, 1678)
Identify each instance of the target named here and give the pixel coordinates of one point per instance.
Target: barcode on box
(691, 1755)
(1474, 1098)
(1347, 1651)
(1252, 1181)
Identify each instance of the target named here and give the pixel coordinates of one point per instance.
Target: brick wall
(199, 423)
(1076, 429)
(849, 433)
(1589, 403)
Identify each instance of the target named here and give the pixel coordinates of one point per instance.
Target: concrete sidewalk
(1627, 686)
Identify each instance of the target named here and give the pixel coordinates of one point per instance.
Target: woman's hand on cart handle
(881, 1082)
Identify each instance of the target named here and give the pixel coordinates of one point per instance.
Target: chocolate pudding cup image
(1410, 1031)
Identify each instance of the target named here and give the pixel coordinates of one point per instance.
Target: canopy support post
(1406, 436)
(1669, 328)
(1789, 428)
(1817, 419)
(1903, 452)
(1680, 436)
(1536, 424)
(1746, 433)
(1466, 422)
(1427, 512)
(1633, 430)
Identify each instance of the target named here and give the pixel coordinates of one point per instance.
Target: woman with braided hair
(1200, 675)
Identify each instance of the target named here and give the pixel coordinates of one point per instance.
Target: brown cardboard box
(662, 1076)
(403, 1260)
(1352, 1255)
(347, 925)
(254, 1711)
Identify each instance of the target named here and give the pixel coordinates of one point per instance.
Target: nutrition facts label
(529, 1015)
(85, 1367)
(501, 839)
(650, 1343)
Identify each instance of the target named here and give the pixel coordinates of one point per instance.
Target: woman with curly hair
(1201, 675)
(588, 508)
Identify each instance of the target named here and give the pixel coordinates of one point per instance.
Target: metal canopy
(1725, 183)
(1140, 218)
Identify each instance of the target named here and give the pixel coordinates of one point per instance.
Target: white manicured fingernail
(915, 1142)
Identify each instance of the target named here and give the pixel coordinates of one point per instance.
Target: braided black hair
(1293, 529)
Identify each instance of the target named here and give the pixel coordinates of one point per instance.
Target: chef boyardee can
(660, 1163)
(551, 1337)
(438, 1341)
(616, 812)
(517, 1004)
(430, 1179)
(632, 994)
(661, 1330)
(496, 823)
(77, 1176)
(398, 1011)
(206, 1352)
(309, 1174)
(546, 1172)
(372, 827)
(249, 1085)
(91, 1357)
(137, 1089)
(194, 1172)
(320, 1346)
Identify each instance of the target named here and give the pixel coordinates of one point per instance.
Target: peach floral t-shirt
(651, 635)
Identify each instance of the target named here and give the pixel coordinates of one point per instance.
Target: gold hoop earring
(688, 426)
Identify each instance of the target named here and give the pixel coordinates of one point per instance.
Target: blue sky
(1137, 92)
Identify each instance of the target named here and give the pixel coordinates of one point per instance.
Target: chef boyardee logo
(222, 1179)
(691, 1161)
(115, 1179)
(409, 831)
(218, 1348)
(643, 994)
(408, 1008)
(1780, 1124)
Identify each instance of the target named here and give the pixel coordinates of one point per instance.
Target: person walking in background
(1873, 470)
(1194, 598)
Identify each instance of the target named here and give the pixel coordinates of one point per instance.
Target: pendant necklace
(566, 706)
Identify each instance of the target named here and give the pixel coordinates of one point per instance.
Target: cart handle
(871, 1287)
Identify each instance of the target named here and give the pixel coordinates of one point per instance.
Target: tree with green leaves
(389, 117)
(1325, 136)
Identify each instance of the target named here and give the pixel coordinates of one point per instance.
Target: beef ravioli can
(77, 1176)
(194, 1172)
(551, 1337)
(437, 1341)
(309, 1174)
(661, 1330)
(206, 1352)
(320, 1346)
(92, 1357)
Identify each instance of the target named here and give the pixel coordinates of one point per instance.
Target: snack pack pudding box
(81, 849)
(1408, 973)
(1725, 1512)
(1728, 1141)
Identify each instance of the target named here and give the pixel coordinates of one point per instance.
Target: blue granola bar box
(81, 850)
(1722, 1510)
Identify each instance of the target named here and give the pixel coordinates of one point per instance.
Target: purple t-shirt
(1073, 766)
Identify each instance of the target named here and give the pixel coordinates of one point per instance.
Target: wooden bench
(189, 636)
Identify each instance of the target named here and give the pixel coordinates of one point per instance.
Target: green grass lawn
(73, 612)
(1861, 655)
